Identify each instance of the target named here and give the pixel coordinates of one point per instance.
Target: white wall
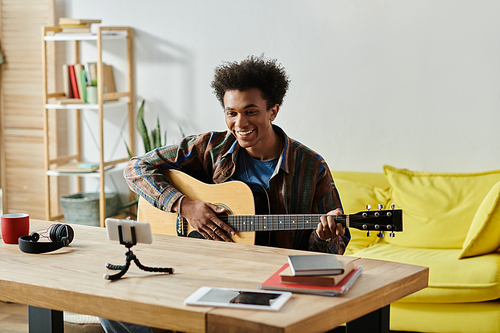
(413, 84)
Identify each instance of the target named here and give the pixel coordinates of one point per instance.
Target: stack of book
(77, 77)
(70, 25)
(321, 274)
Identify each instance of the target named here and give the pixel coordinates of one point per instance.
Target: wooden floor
(14, 319)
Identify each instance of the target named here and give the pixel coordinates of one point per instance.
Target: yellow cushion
(451, 280)
(355, 196)
(484, 233)
(375, 179)
(438, 208)
(462, 317)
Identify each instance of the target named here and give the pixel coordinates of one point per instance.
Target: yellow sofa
(451, 224)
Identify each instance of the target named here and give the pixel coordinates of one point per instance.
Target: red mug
(14, 226)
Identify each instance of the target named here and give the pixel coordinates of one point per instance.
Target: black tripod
(131, 256)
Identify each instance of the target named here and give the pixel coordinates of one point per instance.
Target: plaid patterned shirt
(301, 184)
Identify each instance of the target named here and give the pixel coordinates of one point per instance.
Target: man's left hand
(328, 228)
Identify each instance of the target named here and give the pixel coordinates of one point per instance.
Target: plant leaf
(154, 138)
(126, 146)
(158, 133)
(182, 132)
(142, 128)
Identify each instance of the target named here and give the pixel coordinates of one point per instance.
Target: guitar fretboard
(275, 222)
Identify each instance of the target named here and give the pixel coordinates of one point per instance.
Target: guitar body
(237, 197)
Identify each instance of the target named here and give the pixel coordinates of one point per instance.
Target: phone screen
(238, 297)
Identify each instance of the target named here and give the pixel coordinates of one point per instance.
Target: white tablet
(239, 298)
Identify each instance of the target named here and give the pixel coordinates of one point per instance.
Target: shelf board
(85, 106)
(94, 174)
(83, 36)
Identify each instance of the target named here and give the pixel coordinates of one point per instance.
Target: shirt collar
(284, 157)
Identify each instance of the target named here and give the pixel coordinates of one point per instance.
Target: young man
(252, 150)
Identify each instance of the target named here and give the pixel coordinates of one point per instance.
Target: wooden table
(71, 279)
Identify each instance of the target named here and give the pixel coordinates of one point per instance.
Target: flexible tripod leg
(123, 269)
(118, 275)
(153, 269)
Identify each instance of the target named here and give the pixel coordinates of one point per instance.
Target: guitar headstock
(378, 220)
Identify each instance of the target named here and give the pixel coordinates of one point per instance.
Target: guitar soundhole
(195, 234)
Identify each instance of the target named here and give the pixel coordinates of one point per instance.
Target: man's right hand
(202, 216)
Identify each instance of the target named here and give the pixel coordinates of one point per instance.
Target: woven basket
(83, 208)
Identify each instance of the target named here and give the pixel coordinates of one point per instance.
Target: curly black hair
(253, 72)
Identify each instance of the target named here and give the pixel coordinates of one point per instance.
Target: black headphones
(60, 235)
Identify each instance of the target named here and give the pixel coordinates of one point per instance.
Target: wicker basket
(83, 208)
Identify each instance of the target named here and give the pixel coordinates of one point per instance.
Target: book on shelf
(315, 264)
(83, 80)
(73, 21)
(80, 30)
(320, 280)
(108, 80)
(91, 73)
(66, 81)
(66, 101)
(274, 283)
(81, 25)
(81, 84)
(74, 85)
(70, 25)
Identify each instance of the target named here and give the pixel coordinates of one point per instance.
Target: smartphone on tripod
(142, 231)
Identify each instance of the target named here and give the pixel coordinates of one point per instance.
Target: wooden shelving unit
(104, 101)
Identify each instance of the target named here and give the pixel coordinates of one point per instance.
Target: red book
(74, 84)
(274, 283)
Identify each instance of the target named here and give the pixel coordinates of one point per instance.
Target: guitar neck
(278, 222)
(389, 220)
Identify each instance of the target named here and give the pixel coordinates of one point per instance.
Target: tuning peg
(368, 234)
(368, 207)
(380, 234)
(393, 206)
(380, 206)
(392, 234)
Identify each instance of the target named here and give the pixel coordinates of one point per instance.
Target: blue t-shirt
(252, 170)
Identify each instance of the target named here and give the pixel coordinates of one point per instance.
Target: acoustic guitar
(247, 211)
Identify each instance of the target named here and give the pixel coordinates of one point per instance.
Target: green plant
(153, 140)
(150, 140)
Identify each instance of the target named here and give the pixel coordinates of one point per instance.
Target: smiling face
(249, 120)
